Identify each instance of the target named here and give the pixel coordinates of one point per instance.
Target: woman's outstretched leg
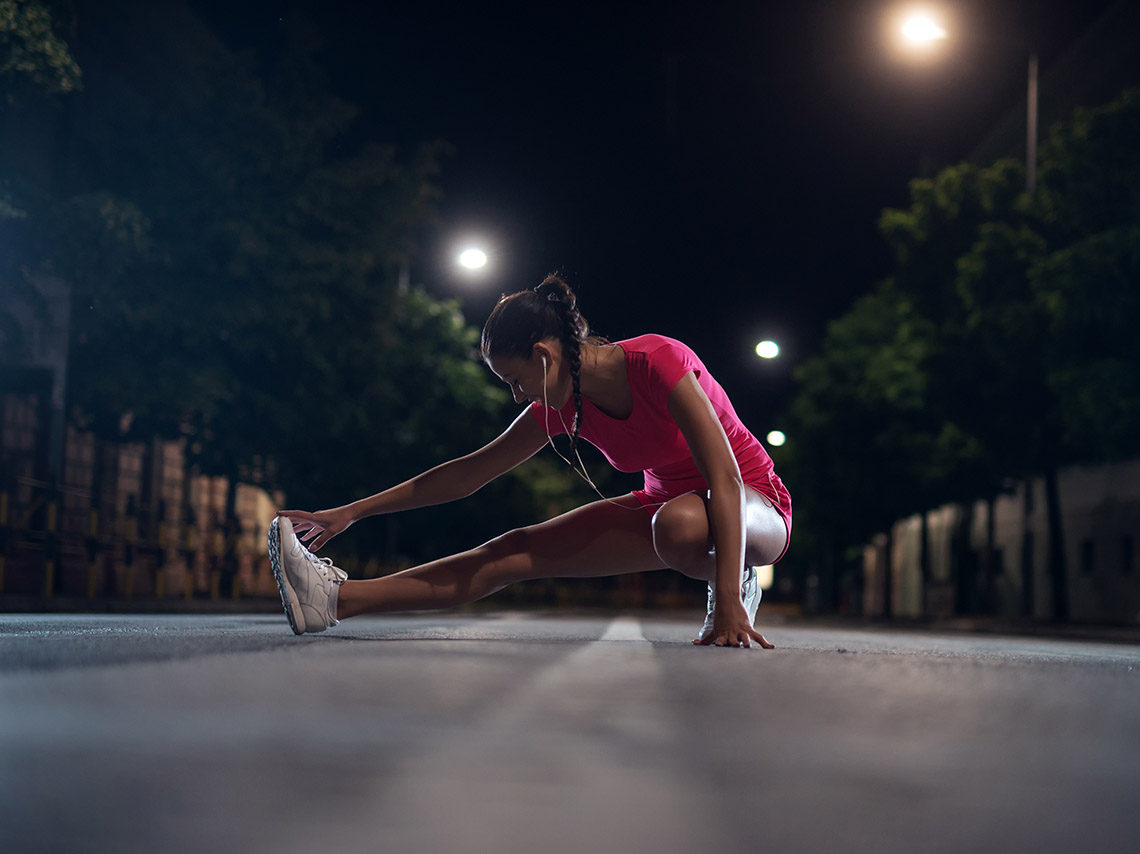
(595, 540)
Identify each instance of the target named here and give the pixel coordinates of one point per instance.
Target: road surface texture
(505, 733)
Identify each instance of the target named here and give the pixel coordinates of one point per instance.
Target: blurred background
(246, 249)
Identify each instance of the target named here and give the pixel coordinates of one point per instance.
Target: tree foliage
(1003, 344)
(32, 55)
(234, 255)
(228, 270)
(1088, 284)
(34, 60)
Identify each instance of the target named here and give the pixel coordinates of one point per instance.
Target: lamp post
(1031, 128)
(921, 30)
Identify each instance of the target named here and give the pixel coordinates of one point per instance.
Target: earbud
(544, 364)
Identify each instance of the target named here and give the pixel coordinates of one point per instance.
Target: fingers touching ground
(738, 639)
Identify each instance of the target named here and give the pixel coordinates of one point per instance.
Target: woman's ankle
(344, 608)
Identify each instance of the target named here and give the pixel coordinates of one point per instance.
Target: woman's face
(529, 379)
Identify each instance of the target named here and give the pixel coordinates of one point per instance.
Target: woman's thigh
(765, 533)
(601, 538)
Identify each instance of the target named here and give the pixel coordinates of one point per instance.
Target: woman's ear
(542, 353)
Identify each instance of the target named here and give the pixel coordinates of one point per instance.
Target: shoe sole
(289, 599)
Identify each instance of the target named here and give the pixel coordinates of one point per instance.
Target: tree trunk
(963, 559)
(1027, 545)
(188, 537)
(231, 526)
(924, 561)
(888, 571)
(984, 601)
(1058, 574)
(97, 518)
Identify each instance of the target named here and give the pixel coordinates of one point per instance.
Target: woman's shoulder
(651, 343)
(659, 361)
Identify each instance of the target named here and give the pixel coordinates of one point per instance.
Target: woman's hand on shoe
(316, 529)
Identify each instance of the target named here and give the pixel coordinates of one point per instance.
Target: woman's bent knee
(681, 533)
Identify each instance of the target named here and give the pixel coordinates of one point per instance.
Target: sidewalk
(770, 615)
(137, 605)
(1129, 634)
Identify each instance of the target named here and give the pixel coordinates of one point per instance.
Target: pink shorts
(652, 503)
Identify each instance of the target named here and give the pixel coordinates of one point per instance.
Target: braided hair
(521, 320)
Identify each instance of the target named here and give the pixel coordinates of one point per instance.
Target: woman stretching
(712, 507)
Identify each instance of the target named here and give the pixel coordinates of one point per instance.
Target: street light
(921, 33)
(776, 438)
(767, 349)
(922, 29)
(472, 258)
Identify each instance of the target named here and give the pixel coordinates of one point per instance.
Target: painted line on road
(623, 629)
(568, 759)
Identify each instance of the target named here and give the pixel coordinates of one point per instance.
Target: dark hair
(521, 320)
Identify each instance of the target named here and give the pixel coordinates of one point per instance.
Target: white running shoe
(750, 594)
(308, 584)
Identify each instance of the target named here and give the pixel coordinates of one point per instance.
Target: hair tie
(548, 290)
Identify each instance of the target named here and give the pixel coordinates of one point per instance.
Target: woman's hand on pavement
(731, 628)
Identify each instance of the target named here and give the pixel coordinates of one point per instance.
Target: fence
(125, 519)
(132, 520)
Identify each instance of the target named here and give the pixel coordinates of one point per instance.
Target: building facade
(992, 557)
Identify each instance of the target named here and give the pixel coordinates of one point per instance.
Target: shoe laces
(326, 567)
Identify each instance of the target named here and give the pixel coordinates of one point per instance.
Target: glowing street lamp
(921, 28)
(767, 349)
(776, 438)
(472, 259)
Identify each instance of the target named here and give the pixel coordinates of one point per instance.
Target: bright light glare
(765, 576)
(767, 349)
(922, 29)
(473, 259)
(776, 438)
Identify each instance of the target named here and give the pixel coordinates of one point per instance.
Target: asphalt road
(523, 733)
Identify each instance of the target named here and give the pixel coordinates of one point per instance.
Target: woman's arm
(694, 414)
(449, 481)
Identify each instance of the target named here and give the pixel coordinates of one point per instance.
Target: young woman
(712, 507)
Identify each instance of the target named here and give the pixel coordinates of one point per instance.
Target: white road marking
(623, 629)
(572, 760)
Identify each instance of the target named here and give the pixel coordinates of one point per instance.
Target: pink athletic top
(650, 440)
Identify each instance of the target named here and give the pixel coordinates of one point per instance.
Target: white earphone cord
(583, 473)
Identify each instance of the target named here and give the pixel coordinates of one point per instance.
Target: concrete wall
(1100, 507)
(1102, 521)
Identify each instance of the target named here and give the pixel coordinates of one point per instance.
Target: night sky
(710, 171)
